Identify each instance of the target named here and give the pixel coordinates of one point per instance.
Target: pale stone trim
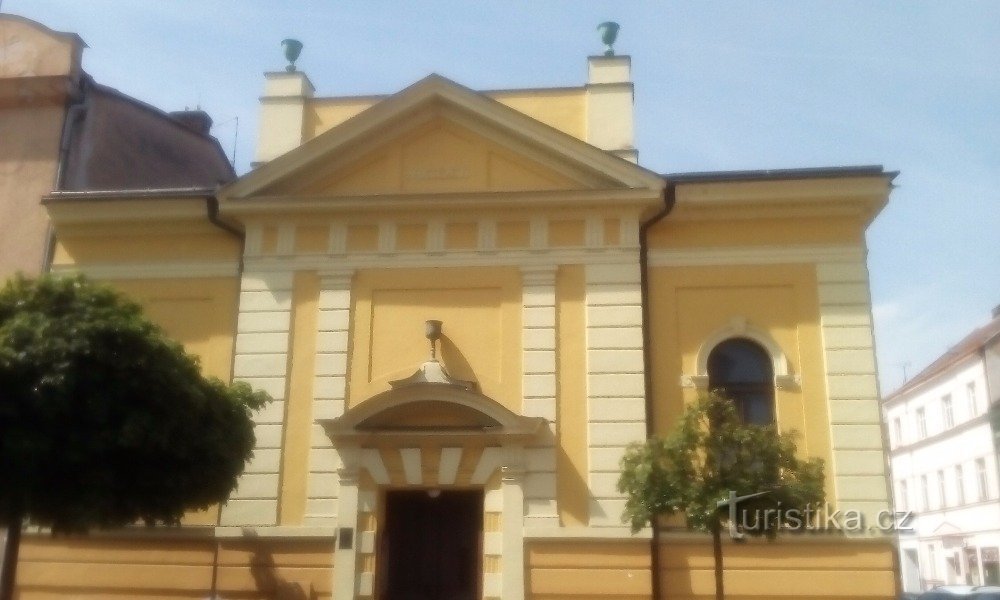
(594, 231)
(435, 236)
(489, 461)
(512, 560)
(371, 459)
(411, 465)
(538, 233)
(448, 465)
(738, 327)
(366, 584)
(852, 386)
(615, 379)
(337, 242)
(519, 257)
(261, 359)
(277, 532)
(329, 387)
(487, 235)
(285, 244)
(386, 237)
(587, 534)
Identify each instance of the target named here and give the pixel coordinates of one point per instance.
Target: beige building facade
(580, 300)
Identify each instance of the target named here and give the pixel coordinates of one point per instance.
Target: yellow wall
(436, 156)
(614, 570)
(788, 568)
(481, 339)
(158, 569)
(564, 109)
(675, 234)
(690, 304)
(201, 315)
(140, 243)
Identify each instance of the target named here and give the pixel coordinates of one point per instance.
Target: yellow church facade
(466, 305)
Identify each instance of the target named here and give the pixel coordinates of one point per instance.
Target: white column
(261, 359)
(852, 386)
(512, 565)
(330, 390)
(345, 556)
(539, 389)
(616, 406)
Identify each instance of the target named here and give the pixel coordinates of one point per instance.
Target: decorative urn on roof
(609, 33)
(292, 50)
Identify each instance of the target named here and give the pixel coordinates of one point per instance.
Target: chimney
(197, 121)
(610, 95)
(996, 311)
(282, 113)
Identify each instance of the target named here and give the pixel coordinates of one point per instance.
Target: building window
(925, 493)
(982, 483)
(942, 498)
(921, 423)
(959, 485)
(742, 370)
(931, 563)
(903, 501)
(947, 412)
(970, 393)
(897, 430)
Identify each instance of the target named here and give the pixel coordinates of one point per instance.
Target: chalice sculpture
(292, 50)
(609, 33)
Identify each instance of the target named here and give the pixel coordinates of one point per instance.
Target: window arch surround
(738, 327)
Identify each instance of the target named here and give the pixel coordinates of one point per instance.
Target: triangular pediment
(439, 137)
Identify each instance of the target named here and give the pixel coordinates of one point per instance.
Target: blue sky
(914, 86)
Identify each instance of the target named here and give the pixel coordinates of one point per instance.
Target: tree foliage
(104, 420)
(707, 455)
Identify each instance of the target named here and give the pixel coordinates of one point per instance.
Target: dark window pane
(741, 369)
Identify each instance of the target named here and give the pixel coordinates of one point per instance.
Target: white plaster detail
(435, 236)
(371, 460)
(538, 233)
(594, 232)
(337, 242)
(386, 237)
(448, 465)
(487, 235)
(412, 465)
(285, 244)
(489, 461)
(253, 239)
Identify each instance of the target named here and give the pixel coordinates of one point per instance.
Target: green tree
(708, 457)
(104, 420)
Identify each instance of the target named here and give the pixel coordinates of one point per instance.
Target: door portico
(432, 432)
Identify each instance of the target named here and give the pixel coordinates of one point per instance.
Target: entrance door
(430, 546)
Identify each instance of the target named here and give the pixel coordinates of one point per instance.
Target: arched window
(743, 371)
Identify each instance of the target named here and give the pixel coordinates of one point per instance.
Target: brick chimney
(197, 121)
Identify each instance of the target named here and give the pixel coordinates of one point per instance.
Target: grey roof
(120, 143)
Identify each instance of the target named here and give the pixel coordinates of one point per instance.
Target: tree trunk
(9, 569)
(720, 593)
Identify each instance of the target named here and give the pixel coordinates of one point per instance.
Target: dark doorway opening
(431, 545)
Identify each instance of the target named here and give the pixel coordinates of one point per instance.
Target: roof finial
(292, 50)
(609, 33)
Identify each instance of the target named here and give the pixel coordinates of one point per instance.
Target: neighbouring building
(61, 130)
(943, 461)
(574, 302)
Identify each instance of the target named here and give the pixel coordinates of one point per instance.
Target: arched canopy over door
(432, 404)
